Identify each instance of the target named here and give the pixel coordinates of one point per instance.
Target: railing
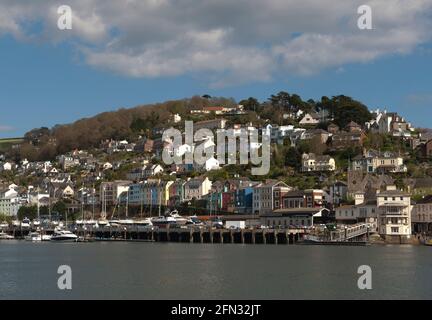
(349, 232)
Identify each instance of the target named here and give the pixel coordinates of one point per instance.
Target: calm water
(199, 271)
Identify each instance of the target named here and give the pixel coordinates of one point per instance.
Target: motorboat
(102, 222)
(163, 221)
(5, 236)
(143, 222)
(46, 237)
(25, 223)
(64, 236)
(36, 223)
(34, 237)
(126, 222)
(16, 223)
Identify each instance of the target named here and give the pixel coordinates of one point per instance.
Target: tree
(251, 104)
(281, 100)
(293, 158)
(347, 109)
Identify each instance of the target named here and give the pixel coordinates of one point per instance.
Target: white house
(311, 162)
(197, 188)
(310, 118)
(394, 214)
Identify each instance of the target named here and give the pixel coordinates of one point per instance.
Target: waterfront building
(267, 196)
(111, 191)
(294, 217)
(394, 214)
(421, 217)
(196, 188)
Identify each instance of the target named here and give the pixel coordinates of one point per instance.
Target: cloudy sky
(125, 53)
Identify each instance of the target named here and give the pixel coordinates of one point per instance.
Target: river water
(210, 271)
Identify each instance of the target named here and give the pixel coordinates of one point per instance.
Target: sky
(128, 53)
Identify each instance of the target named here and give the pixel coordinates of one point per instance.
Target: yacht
(25, 223)
(64, 236)
(5, 236)
(126, 222)
(102, 222)
(46, 237)
(16, 223)
(143, 222)
(36, 223)
(34, 237)
(163, 221)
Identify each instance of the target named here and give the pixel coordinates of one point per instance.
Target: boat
(64, 236)
(126, 222)
(16, 223)
(102, 222)
(25, 223)
(428, 242)
(36, 223)
(34, 237)
(5, 236)
(163, 221)
(4, 224)
(143, 223)
(46, 237)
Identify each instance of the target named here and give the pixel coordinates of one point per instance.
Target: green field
(8, 142)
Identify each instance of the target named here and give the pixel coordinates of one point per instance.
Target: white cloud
(226, 42)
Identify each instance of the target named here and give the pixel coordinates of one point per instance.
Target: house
(107, 166)
(146, 171)
(421, 216)
(379, 162)
(310, 118)
(110, 191)
(313, 133)
(7, 166)
(338, 193)
(394, 124)
(10, 201)
(210, 124)
(153, 192)
(296, 217)
(343, 140)
(196, 188)
(394, 214)
(363, 212)
(312, 163)
(425, 149)
(310, 198)
(267, 196)
(353, 127)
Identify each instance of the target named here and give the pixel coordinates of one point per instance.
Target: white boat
(36, 223)
(25, 223)
(4, 225)
(163, 221)
(34, 237)
(114, 223)
(126, 222)
(144, 222)
(46, 237)
(16, 223)
(64, 236)
(5, 236)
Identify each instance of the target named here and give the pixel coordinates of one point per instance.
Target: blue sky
(45, 82)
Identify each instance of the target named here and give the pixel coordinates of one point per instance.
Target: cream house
(394, 214)
(311, 162)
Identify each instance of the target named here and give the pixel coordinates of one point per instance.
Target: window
(395, 229)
